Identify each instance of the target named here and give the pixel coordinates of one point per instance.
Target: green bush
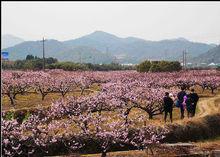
(71, 66)
(144, 66)
(9, 115)
(30, 63)
(36, 63)
(158, 66)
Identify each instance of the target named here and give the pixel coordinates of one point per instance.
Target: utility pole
(184, 59)
(43, 54)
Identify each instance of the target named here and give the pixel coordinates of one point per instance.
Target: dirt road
(208, 106)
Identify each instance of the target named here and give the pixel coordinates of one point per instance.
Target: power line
(183, 59)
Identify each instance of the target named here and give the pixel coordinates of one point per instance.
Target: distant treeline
(71, 66)
(30, 63)
(159, 66)
(35, 63)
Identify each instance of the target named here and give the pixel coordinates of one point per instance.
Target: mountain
(57, 49)
(99, 40)
(212, 56)
(85, 54)
(134, 49)
(105, 47)
(20, 51)
(10, 40)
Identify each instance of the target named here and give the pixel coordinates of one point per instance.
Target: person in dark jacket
(189, 106)
(168, 106)
(180, 96)
(194, 98)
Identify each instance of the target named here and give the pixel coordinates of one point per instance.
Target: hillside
(212, 56)
(85, 54)
(104, 47)
(135, 49)
(57, 49)
(8, 40)
(20, 51)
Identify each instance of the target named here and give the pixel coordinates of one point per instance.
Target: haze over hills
(105, 47)
(8, 40)
(134, 49)
(57, 49)
(52, 48)
(212, 56)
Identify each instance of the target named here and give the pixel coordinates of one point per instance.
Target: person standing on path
(194, 98)
(168, 107)
(188, 103)
(180, 97)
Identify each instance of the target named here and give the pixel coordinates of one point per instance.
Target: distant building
(128, 64)
(212, 64)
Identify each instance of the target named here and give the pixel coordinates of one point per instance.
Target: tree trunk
(203, 89)
(100, 112)
(145, 123)
(126, 119)
(104, 154)
(152, 153)
(82, 90)
(14, 96)
(150, 116)
(12, 100)
(126, 114)
(63, 94)
(43, 96)
(212, 91)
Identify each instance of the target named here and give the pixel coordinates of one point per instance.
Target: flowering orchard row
(17, 82)
(70, 123)
(38, 137)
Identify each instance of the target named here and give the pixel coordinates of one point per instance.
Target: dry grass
(134, 153)
(197, 148)
(205, 105)
(207, 101)
(211, 144)
(33, 100)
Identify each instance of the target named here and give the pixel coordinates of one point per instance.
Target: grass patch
(195, 130)
(9, 115)
(33, 100)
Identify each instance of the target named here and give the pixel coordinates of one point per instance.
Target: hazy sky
(196, 21)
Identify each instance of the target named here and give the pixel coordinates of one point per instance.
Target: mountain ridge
(126, 50)
(211, 56)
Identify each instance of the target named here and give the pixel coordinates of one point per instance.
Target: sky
(195, 21)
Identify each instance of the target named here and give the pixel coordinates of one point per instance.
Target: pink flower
(6, 141)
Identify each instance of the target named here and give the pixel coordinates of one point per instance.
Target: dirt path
(208, 106)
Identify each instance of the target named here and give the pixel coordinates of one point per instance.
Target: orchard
(101, 117)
